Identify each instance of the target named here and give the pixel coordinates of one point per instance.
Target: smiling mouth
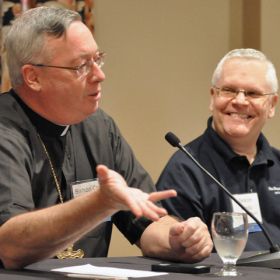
(238, 116)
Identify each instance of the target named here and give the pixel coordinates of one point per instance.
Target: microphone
(269, 259)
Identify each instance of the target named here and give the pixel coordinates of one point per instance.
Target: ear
(211, 99)
(272, 108)
(31, 77)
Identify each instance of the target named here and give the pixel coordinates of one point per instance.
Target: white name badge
(251, 202)
(82, 187)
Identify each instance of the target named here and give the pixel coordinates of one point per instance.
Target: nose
(240, 97)
(96, 74)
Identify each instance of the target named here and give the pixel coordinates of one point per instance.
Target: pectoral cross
(69, 253)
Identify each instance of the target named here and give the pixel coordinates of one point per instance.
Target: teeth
(240, 116)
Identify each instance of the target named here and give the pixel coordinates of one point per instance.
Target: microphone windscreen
(172, 139)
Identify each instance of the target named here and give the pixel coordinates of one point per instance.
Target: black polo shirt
(26, 180)
(199, 195)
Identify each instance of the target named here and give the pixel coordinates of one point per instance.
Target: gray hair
(25, 40)
(248, 54)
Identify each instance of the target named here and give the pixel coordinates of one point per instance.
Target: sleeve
(136, 176)
(182, 175)
(15, 186)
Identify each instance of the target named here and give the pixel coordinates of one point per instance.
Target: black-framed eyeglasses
(82, 70)
(230, 93)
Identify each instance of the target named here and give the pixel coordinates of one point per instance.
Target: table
(41, 270)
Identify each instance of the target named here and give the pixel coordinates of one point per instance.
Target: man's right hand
(191, 240)
(116, 194)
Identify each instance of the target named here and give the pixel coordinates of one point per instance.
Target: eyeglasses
(230, 93)
(82, 70)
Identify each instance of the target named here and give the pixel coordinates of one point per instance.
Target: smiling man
(232, 148)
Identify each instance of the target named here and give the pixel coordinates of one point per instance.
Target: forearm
(154, 241)
(40, 234)
(36, 235)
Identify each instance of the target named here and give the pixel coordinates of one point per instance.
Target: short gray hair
(248, 54)
(25, 40)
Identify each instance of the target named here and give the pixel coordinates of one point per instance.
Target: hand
(191, 240)
(116, 194)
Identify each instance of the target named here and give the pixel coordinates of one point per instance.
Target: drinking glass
(230, 233)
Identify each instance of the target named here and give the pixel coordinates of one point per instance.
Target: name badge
(251, 202)
(82, 187)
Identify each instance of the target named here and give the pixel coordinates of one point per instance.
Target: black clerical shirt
(26, 180)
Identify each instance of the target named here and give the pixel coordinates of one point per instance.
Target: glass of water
(230, 233)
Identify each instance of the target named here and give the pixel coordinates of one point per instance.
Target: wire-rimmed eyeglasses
(83, 69)
(230, 93)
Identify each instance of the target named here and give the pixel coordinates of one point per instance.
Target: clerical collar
(43, 126)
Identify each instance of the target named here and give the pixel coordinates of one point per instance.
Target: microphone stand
(269, 259)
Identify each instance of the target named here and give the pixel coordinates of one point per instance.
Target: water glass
(230, 233)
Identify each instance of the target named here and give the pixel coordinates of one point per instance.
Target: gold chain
(52, 169)
(68, 253)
